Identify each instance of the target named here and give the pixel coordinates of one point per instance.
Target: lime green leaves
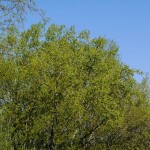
(63, 90)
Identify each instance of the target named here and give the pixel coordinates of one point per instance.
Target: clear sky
(125, 21)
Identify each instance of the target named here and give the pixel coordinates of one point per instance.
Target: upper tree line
(64, 90)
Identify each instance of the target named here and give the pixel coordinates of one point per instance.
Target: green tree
(63, 90)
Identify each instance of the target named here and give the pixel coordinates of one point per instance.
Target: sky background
(127, 22)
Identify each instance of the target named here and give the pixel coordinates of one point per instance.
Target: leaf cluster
(63, 90)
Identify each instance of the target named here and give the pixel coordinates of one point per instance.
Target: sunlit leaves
(65, 90)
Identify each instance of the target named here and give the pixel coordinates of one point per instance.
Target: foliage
(14, 12)
(63, 90)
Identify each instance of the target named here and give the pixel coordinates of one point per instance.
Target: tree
(13, 12)
(63, 90)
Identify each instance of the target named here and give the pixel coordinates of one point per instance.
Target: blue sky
(125, 21)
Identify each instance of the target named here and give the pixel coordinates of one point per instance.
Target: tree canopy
(14, 12)
(64, 90)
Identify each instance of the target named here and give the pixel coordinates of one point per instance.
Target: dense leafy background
(63, 90)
